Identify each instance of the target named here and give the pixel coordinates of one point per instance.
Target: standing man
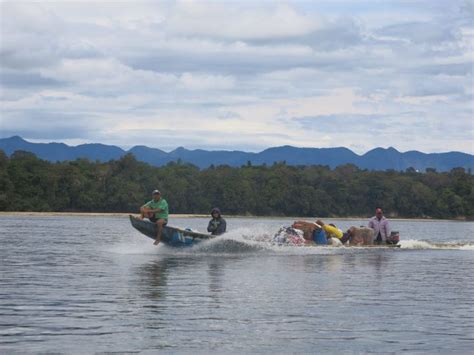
(217, 225)
(380, 226)
(156, 211)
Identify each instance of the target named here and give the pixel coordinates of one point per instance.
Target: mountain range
(376, 159)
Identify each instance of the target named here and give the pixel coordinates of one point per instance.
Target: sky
(240, 75)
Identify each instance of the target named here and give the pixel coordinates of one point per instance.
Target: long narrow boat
(172, 236)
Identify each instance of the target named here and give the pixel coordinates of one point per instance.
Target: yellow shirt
(332, 232)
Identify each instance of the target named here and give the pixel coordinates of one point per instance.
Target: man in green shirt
(156, 211)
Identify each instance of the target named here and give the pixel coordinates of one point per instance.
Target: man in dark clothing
(217, 224)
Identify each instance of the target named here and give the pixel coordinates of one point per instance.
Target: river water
(87, 284)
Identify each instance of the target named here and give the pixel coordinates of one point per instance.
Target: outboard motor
(393, 238)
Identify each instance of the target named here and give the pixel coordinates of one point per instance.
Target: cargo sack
(362, 236)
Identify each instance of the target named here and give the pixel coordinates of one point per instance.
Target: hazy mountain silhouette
(376, 159)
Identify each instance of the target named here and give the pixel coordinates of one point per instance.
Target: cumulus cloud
(52, 126)
(204, 81)
(219, 20)
(239, 75)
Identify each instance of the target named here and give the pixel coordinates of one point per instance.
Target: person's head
(216, 212)
(156, 194)
(321, 223)
(378, 213)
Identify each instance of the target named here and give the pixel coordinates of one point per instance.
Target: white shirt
(380, 226)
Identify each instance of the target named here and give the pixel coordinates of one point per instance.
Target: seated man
(381, 227)
(156, 211)
(217, 225)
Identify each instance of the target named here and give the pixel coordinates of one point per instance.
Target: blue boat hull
(171, 236)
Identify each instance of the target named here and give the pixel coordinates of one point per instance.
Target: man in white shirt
(380, 226)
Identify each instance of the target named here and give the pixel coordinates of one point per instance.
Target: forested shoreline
(31, 184)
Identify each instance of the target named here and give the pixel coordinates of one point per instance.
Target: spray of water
(259, 239)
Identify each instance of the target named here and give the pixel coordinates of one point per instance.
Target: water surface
(93, 284)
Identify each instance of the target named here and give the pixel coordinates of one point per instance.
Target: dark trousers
(378, 240)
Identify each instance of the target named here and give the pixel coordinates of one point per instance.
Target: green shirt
(161, 204)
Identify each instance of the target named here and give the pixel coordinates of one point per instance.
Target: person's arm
(332, 231)
(211, 227)
(371, 223)
(222, 227)
(154, 210)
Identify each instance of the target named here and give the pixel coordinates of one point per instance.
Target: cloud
(24, 79)
(219, 20)
(419, 32)
(50, 125)
(232, 72)
(206, 82)
(375, 124)
(381, 130)
(454, 69)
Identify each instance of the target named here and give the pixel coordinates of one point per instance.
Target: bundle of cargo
(361, 236)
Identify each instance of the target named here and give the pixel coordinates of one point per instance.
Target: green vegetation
(30, 184)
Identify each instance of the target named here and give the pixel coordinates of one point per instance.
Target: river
(84, 284)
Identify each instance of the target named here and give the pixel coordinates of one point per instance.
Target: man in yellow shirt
(329, 233)
(335, 233)
(331, 230)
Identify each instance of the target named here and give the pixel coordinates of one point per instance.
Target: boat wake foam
(422, 244)
(261, 240)
(248, 240)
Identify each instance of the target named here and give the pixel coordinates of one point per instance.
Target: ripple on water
(89, 284)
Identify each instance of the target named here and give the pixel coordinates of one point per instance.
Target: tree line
(31, 184)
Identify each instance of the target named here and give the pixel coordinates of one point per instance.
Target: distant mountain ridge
(376, 159)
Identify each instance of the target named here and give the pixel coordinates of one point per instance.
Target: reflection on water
(381, 266)
(152, 277)
(215, 272)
